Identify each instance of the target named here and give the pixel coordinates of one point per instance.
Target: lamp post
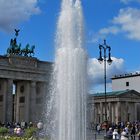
(105, 58)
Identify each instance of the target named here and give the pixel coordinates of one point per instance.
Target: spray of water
(67, 106)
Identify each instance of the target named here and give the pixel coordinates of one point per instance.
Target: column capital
(33, 83)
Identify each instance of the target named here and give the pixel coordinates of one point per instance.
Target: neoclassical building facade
(121, 106)
(24, 83)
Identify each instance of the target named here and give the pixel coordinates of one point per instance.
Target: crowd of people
(19, 128)
(121, 131)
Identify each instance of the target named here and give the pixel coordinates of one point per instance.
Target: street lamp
(104, 59)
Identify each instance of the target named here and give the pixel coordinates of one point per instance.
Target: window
(22, 99)
(1, 98)
(22, 89)
(38, 89)
(127, 84)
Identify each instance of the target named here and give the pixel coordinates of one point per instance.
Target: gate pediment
(130, 94)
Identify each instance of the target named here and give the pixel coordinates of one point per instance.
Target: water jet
(67, 105)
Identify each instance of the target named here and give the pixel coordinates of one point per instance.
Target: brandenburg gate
(24, 85)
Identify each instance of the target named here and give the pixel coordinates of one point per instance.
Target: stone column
(17, 105)
(118, 111)
(27, 102)
(95, 113)
(135, 106)
(113, 113)
(109, 111)
(33, 101)
(101, 112)
(4, 99)
(9, 101)
(43, 89)
(126, 111)
(92, 113)
(133, 111)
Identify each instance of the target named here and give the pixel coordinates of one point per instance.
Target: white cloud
(96, 70)
(12, 12)
(110, 30)
(102, 34)
(127, 22)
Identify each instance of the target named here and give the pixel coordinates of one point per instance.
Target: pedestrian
(115, 135)
(133, 132)
(138, 135)
(98, 128)
(124, 135)
(18, 131)
(109, 133)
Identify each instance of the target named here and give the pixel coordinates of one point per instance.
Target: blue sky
(118, 21)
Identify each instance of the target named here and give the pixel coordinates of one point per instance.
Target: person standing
(109, 133)
(116, 135)
(124, 135)
(133, 132)
(98, 128)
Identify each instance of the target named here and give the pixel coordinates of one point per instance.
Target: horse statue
(10, 50)
(14, 48)
(31, 51)
(25, 50)
(17, 49)
(28, 51)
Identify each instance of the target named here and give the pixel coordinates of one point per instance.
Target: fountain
(66, 109)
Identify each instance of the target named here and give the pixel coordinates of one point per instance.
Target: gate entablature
(24, 68)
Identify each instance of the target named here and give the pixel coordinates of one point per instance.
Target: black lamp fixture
(100, 59)
(105, 59)
(105, 47)
(109, 61)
